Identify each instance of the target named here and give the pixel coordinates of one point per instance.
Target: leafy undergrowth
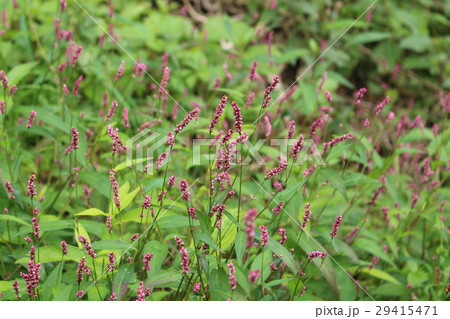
(327, 189)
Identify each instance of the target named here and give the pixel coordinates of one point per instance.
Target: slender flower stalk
(328, 95)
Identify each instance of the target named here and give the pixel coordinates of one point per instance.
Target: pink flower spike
(74, 143)
(112, 110)
(232, 278)
(381, 106)
(141, 292)
(120, 71)
(253, 275)
(192, 115)
(249, 221)
(316, 254)
(76, 86)
(218, 113)
(336, 226)
(164, 81)
(291, 130)
(359, 95)
(12, 90)
(328, 95)
(196, 287)
(31, 119)
(237, 117)
(147, 261)
(126, 121)
(282, 232)
(264, 235)
(253, 70)
(64, 249)
(31, 188)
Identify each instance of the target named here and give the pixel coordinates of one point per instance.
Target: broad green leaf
(335, 179)
(19, 72)
(175, 221)
(367, 37)
(112, 244)
(239, 246)
(373, 248)
(159, 251)
(206, 239)
(377, 273)
(91, 212)
(13, 219)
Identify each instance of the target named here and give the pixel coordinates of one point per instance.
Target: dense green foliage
(389, 182)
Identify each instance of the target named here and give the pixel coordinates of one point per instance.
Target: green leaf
(123, 277)
(372, 247)
(159, 251)
(417, 42)
(92, 212)
(19, 72)
(335, 179)
(281, 252)
(53, 281)
(368, 37)
(163, 278)
(207, 239)
(377, 273)
(175, 221)
(13, 219)
(239, 246)
(278, 282)
(112, 244)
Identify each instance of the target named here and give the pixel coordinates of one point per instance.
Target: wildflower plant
(223, 158)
